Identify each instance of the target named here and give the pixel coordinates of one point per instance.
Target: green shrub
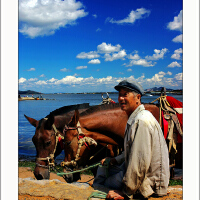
(175, 182)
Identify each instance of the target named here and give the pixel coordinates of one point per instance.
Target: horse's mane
(66, 109)
(90, 109)
(99, 108)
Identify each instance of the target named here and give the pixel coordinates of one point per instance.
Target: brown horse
(49, 136)
(105, 124)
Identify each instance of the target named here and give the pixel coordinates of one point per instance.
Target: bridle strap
(81, 142)
(79, 129)
(50, 158)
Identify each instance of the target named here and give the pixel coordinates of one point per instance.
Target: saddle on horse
(171, 121)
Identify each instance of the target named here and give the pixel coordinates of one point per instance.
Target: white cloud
(179, 77)
(81, 67)
(105, 80)
(108, 48)
(159, 54)
(39, 17)
(115, 56)
(31, 69)
(89, 81)
(129, 70)
(95, 16)
(177, 24)
(80, 84)
(69, 80)
(159, 80)
(42, 75)
(32, 79)
(94, 61)
(133, 16)
(140, 79)
(178, 38)
(52, 80)
(41, 83)
(177, 54)
(141, 62)
(134, 57)
(89, 55)
(64, 70)
(22, 80)
(161, 73)
(174, 64)
(169, 73)
(137, 60)
(156, 78)
(98, 30)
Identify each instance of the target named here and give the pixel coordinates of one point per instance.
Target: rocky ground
(57, 188)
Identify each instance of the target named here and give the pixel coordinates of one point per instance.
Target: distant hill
(156, 89)
(28, 92)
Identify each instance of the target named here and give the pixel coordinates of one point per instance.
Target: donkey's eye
(47, 143)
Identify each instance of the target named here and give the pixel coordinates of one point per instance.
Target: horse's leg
(172, 155)
(171, 172)
(179, 156)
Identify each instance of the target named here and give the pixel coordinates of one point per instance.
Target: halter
(78, 128)
(50, 158)
(82, 139)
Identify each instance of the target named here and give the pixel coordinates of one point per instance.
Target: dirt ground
(25, 172)
(174, 192)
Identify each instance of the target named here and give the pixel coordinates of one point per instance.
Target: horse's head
(45, 141)
(77, 147)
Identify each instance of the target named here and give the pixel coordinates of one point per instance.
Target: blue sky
(91, 45)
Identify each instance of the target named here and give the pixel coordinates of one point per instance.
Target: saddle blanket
(178, 106)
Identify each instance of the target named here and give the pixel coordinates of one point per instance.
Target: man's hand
(115, 194)
(112, 161)
(103, 160)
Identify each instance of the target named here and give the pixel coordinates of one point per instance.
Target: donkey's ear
(49, 122)
(32, 121)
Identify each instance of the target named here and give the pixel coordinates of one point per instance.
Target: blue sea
(38, 109)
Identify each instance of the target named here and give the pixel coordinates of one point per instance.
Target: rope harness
(169, 114)
(80, 170)
(82, 140)
(50, 158)
(98, 194)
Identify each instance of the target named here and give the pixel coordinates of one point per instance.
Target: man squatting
(142, 170)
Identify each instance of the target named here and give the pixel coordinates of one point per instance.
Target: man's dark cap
(132, 85)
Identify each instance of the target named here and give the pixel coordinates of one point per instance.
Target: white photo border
(191, 99)
(9, 99)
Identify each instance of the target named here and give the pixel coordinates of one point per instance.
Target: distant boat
(30, 98)
(150, 95)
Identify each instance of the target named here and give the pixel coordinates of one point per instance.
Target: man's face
(128, 101)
